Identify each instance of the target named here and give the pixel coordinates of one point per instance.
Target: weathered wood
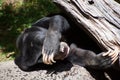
(100, 18)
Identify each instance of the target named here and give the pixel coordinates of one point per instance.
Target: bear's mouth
(64, 51)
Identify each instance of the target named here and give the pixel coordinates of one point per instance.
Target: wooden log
(100, 18)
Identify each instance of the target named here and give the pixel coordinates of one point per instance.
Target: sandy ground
(9, 71)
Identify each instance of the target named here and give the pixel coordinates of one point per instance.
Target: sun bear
(56, 38)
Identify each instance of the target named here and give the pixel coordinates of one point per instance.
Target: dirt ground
(60, 71)
(9, 71)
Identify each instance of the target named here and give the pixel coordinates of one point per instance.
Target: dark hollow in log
(100, 19)
(83, 40)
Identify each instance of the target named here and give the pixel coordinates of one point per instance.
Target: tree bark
(100, 19)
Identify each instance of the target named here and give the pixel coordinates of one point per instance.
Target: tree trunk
(100, 18)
